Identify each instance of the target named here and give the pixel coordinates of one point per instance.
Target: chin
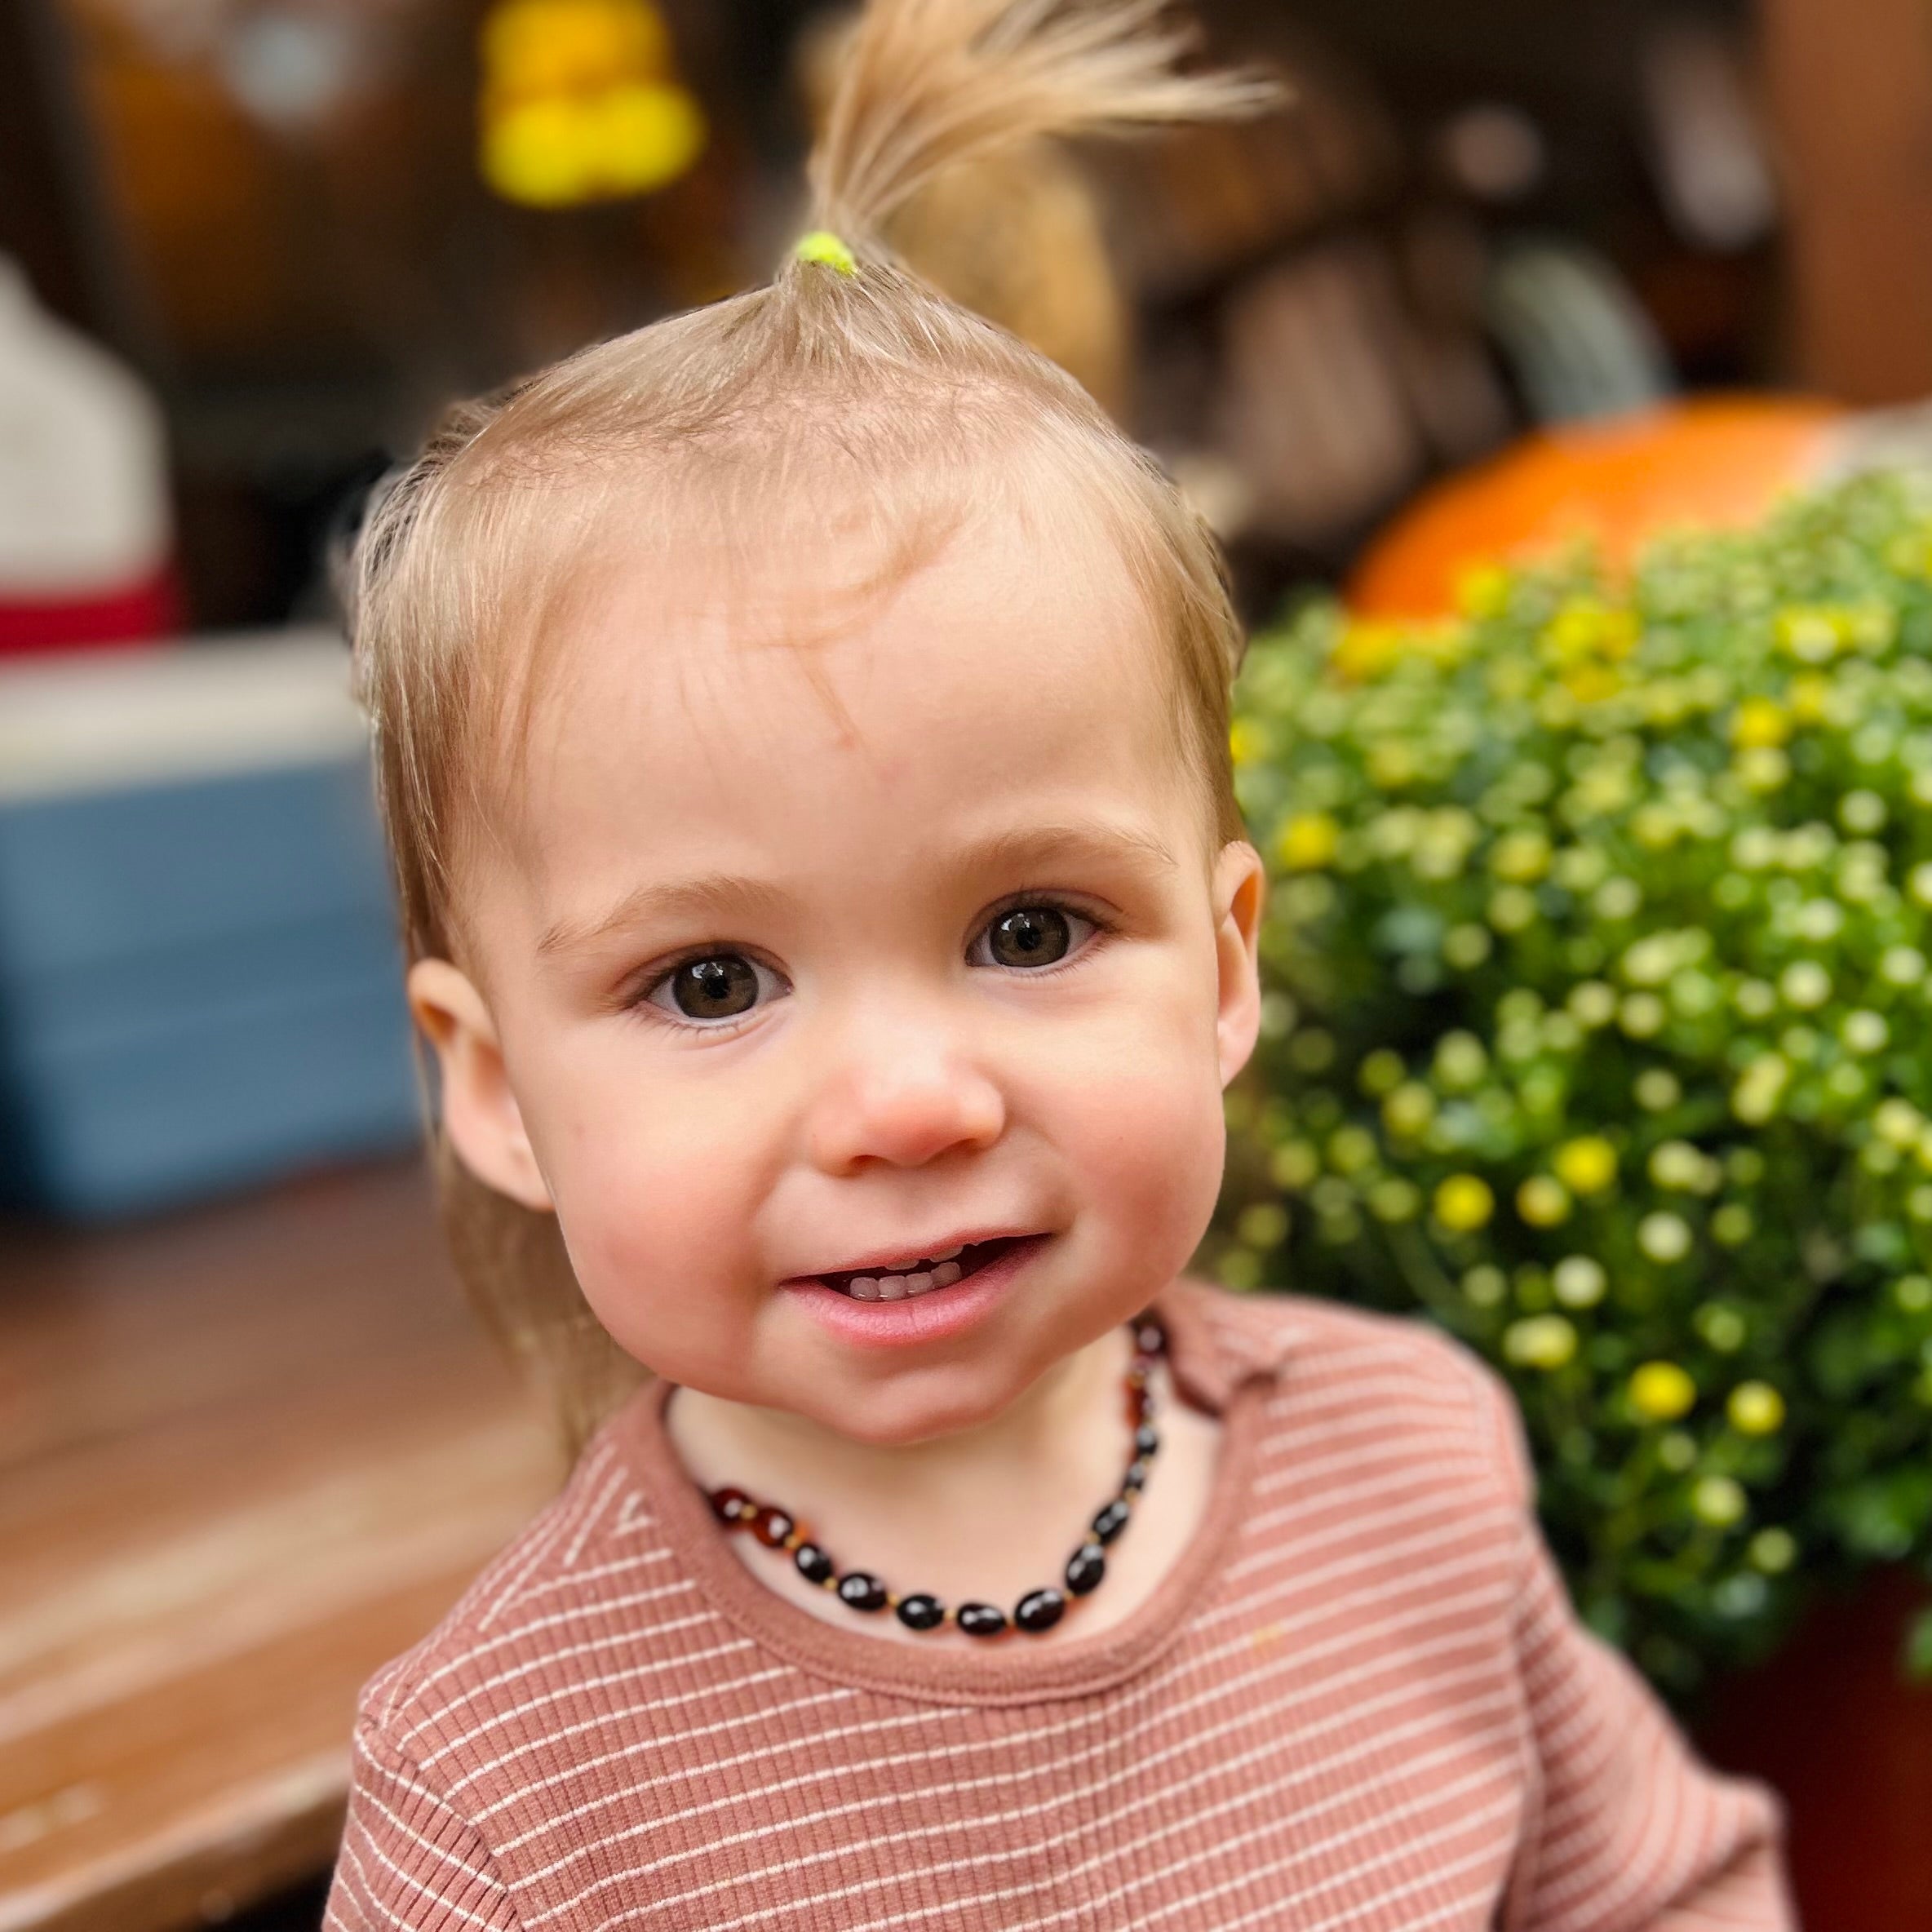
(905, 1422)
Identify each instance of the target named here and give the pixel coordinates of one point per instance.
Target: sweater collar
(1217, 1342)
(1219, 1346)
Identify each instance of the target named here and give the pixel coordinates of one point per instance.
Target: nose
(902, 1093)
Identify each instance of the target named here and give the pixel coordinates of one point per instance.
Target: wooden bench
(246, 1456)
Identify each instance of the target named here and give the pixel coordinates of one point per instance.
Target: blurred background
(1500, 268)
(305, 223)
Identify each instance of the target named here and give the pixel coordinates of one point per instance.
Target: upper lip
(907, 1254)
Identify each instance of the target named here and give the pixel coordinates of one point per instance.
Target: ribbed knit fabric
(1359, 1700)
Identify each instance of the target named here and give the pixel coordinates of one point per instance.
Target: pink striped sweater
(1359, 1700)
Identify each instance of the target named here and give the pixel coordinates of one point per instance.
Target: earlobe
(480, 1112)
(1240, 891)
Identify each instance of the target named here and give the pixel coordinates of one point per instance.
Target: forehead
(798, 699)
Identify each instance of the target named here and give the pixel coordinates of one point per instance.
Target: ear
(480, 1112)
(1240, 888)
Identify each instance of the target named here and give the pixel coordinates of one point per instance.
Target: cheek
(651, 1195)
(1136, 1101)
(1149, 1146)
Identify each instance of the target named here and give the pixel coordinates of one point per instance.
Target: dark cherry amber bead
(731, 1506)
(980, 1619)
(813, 1564)
(1147, 1440)
(921, 1612)
(861, 1591)
(771, 1527)
(1111, 1521)
(1040, 1610)
(1085, 1567)
(1135, 1479)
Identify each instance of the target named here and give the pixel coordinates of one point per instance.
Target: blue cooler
(201, 983)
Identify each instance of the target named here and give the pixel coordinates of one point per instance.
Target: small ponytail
(926, 83)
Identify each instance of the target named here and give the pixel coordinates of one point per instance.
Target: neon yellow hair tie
(822, 246)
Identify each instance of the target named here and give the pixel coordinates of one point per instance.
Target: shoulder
(590, 1559)
(1394, 1386)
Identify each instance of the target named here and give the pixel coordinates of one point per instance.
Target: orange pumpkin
(1715, 463)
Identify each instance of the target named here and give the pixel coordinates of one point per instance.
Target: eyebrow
(725, 895)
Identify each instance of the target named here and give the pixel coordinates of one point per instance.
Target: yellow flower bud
(1719, 1501)
(1409, 1110)
(1755, 1409)
(1762, 767)
(1810, 697)
(1464, 1203)
(1247, 742)
(1544, 1203)
(1540, 1341)
(1759, 722)
(1521, 857)
(1661, 1392)
(1395, 1200)
(1587, 1165)
(1483, 591)
(1308, 841)
(1364, 651)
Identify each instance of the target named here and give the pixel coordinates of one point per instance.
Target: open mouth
(925, 1275)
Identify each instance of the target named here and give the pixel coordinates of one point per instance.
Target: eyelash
(641, 1003)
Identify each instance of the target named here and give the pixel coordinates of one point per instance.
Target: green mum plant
(1598, 1027)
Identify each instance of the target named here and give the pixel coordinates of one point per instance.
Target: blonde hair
(845, 358)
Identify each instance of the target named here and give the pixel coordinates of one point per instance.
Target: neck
(1064, 1438)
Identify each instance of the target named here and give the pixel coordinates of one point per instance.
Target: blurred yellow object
(1308, 841)
(581, 102)
(1587, 1165)
(559, 46)
(1661, 1392)
(1464, 1203)
(1755, 1409)
(1759, 722)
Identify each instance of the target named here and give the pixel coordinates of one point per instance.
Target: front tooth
(946, 1274)
(958, 1248)
(892, 1288)
(863, 1288)
(918, 1284)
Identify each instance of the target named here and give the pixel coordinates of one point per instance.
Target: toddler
(802, 728)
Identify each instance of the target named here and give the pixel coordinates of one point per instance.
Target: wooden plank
(1851, 89)
(248, 1455)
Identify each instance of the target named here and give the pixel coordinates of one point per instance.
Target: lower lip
(938, 1315)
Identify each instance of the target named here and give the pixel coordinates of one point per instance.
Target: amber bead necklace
(1038, 1610)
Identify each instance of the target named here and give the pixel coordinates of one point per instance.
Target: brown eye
(1030, 935)
(718, 988)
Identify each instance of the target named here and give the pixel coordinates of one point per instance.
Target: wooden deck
(245, 1456)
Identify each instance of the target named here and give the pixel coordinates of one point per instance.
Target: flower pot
(1834, 1724)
